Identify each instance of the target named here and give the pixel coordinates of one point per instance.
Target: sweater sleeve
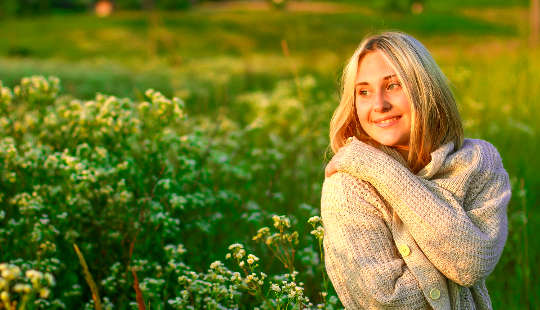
(360, 256)
(463, 239)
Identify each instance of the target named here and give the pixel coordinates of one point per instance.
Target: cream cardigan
(398, 240)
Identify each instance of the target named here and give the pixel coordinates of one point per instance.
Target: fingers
(330, 169)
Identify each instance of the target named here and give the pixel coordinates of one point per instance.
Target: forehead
(374, 66)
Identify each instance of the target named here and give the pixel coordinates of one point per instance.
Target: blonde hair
(435, 117)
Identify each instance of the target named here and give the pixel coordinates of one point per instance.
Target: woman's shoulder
(343, 190)
(343, 183)
(479, 145)
(481, 152)
(472, 167)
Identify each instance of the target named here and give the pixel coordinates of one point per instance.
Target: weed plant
(136, 185)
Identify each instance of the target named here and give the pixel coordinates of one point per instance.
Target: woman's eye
(363, 92)
(393, 86)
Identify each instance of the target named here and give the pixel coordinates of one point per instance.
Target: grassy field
(225, 60)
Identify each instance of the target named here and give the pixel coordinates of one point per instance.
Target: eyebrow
(385, 78)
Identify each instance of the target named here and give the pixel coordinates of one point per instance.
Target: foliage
(134, 186)
(24, 288)
(28, 7)
(278, 4)
(158, 4)
(33, 7)
(194, 34)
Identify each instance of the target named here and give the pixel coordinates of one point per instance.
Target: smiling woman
(409, 73)
(382, 106)
(414, 215)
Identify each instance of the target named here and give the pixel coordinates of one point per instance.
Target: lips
(386, 121)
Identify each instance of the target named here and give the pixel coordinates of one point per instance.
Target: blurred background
(259, 81)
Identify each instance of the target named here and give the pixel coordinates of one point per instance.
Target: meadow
(175, 187)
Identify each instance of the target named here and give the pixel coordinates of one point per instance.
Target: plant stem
(89, 279)
(321, 253)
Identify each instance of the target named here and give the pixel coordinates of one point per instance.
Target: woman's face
(382, 107)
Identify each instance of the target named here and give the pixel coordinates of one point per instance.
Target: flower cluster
(38, 89)
(281, 290)
(218, 288)
(6, 95)
(238, 253)
(19, 288)
(318, 230)
(281, 243)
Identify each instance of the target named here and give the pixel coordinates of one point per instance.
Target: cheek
(408, 121)
(404, 104)
(362, 113)
(405, 108)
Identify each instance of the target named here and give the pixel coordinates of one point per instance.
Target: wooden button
(435, 294)
(404, 250)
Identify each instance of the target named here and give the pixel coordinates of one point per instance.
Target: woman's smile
(387, 121)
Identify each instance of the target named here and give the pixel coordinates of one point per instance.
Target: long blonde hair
(435, 117)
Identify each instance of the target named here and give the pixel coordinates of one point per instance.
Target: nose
(381, 104)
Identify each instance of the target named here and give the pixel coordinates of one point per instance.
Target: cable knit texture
(398, 240)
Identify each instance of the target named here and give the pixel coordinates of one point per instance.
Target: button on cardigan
(398, 240)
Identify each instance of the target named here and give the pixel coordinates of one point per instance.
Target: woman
(414, 215)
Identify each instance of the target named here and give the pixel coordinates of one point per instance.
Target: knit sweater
(398, 240)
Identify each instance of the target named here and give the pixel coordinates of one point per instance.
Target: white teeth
(386, 121)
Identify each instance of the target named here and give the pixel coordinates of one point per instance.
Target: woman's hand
(330, 169)
(353, 155)
(331, 166)
(337, 159)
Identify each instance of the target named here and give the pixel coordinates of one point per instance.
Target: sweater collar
(437, 159)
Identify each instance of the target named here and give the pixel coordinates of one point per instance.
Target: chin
(388, 142)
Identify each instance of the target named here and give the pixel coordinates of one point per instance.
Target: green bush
(128, 4)
(173, 4)
(278, 4)
(159, 4)
(32, 7)
(137, 184)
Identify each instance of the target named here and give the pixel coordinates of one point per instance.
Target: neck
(404, 153)
(403, 150)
